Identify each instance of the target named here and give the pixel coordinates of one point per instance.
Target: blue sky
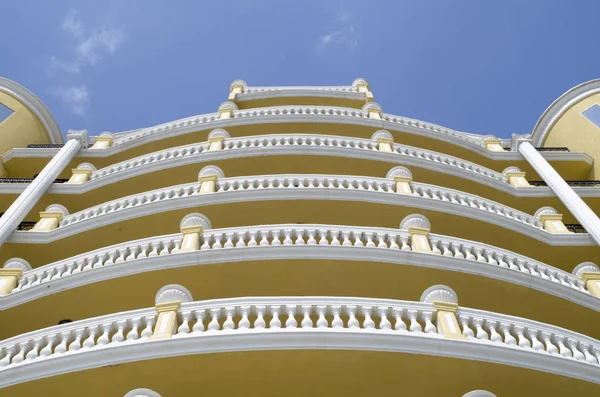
(489, 67)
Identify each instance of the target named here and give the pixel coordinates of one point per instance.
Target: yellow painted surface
(20, 128)
(296, 278)
(316, 373)
(578, 133)
(331, 212)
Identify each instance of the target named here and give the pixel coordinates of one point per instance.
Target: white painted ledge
(297, 114)
(276, 242)
(373, 324)
(303, 187)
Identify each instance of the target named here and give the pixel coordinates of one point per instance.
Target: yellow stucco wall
(578, 133)
(20, 128)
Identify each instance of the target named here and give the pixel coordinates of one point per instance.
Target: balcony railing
(45, 145)
(268, 323)
(28, 180)
(583, 183)
(575, 228)
(552, 149)
(300, 242)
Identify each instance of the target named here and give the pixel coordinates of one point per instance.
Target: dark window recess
(26, 226)
(552, 149)
(45, 145)
(65, 321)
(575, 228)
(591, 183)
(27, 180)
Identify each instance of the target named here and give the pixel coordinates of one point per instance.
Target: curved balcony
(291, 246)
(305, 187)
(308, 323)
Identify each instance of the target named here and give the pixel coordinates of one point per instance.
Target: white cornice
(560, 106)
(35, 105)
(161, 252)
(314, 187)
(49, 352)
(254, 93)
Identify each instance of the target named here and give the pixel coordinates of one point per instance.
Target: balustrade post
(590, 274)
(402, 178)
(192, 226)
(551, 220)
(11, 273)
(445, 303)
(418, 227)
(216, 138)
(208, 177)
(236, 87)
(493, 144)
(167, 302)
(103, 141)
(362, 85)
(384, 140)
(81, 174)
(515, 177)
(373, 110)
(50, 218)
(226, 110)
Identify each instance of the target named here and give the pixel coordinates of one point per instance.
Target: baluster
(466, 328)
(456, 250)
(20, 356)
(399, 325)
(311, 238)
(147, 331)
(47, 350)
(550, 347)
(508, 338)
(489, 256)
(133, 333)
(120, 257)
(502, 262)
(244, 322)
(384, 323)
(275, 237)
(335, 238)
(535, 342)
(104, 338)
(434, 248)
(252, 241)
(468, 253)
(323, 237)
(214, 322)
(299, 237)
(446, 248)
(346, 235)
(132, 254)
(522, 340)
(229, 313)
(260, 323)
(229, 242)
(322, 321)
(414, 324)
(589, 357)
(199, 325)
(358, 239)
(275, 321)
(490, 326)
(9, 354)
(265, 238)
(352, 321)
(429, 327)
(287, 240)
(369, 237)
(34, 352)
(65, 338)
(563, 350)
(393, 244)
(368, 322)
(291, 320)
(240, 237)
(337, 321)
(306, 320)
(184, 328)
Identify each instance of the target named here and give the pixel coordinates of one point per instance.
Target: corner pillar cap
(419, 231)
(80, 135)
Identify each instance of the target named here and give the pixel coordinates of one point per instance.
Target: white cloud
(76, 98)
(91, 45)
(342, 33)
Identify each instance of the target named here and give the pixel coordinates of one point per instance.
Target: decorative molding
(17, 263)
(479, 393)
(218, 133)
(381, 134)
(86, 166)
(510, 169)
(360, 81)
(79, 135)
(195, 219)
(211, 170)
(545, 211)
(227, 106)
(439, 293)
(371, 107)
(399, 172)
(415, 221)
(35, 105)
(142, 393)
(173, 293)
(57, 208)
(585, 267)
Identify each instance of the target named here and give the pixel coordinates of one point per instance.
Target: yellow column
(208, 177)
(362, 85)
(418, 239)
(11, 273)
(104, 141)
(373, 110)
(446, 322)
(50, 218)
(402, 178)
(384, 140)
(236, 87)
(216, 144)
(551, 220)
(192, 226)
(592, 282)
(167, 302)
(81, 174)
(493, 145)
(515, 177)
(226, 110)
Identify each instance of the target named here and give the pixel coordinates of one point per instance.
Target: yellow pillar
(226, 110)
(373, 110)
(493, 145)
(236, 87)
(402, 178)
(81, 174)
(8, 280)
(208, 177)
(446, 322)
(104, 141)
(216, 144)
(553, 223)
(592, 282)
(50, 218)
(192, 226)
(362, 85)
(418, 239)
(166, 324)
(384, 145)
(515, 177)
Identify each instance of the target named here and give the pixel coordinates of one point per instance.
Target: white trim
(135, 257)
(35, 105)
(105, 350)
(563, 103)
(255, 93)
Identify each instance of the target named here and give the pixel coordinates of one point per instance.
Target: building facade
(299, 241)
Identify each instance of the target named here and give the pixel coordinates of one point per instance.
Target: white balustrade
(521, 269)
(381, 324)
